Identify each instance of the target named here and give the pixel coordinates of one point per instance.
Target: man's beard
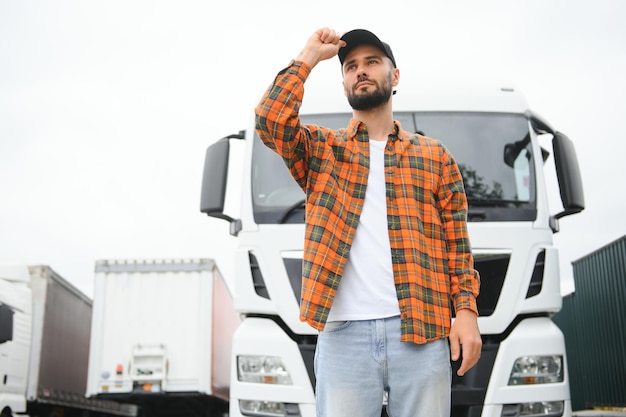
(371, 100)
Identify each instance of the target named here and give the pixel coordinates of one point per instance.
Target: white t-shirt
(367, 290)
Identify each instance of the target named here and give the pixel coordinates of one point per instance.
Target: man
(386, 243)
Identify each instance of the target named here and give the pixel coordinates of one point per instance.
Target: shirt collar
(355, 126)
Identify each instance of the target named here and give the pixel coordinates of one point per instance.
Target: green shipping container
(593, 321)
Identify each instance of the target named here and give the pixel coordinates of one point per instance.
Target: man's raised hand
(323, 44)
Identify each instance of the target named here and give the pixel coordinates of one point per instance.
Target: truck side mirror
(568, 175)
(6, 323)
(215, 181)
(512, 150)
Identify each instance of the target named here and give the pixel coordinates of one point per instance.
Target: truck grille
(492, 269)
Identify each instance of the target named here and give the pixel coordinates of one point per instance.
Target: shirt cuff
(300, 68)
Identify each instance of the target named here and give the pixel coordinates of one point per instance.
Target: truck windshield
(493, 152)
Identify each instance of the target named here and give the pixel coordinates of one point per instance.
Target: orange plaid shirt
(426, 211)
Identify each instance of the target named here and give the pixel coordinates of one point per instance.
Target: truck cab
(15, 330)
(494, 138)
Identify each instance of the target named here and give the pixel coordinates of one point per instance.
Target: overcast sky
(106, 108)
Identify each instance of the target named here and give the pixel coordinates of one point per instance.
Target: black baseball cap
(358, 37)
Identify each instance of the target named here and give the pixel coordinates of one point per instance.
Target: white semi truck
(497, 141)
(44, 347)
(161, 336)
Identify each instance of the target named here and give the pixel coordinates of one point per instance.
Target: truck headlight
(542, 409)
(262, 370)
(268, 408)
(530, 370)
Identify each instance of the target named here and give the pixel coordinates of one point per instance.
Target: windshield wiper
(289, 210)
(497, 202)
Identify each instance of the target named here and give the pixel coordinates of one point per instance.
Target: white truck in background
(44, 347)
(496, 140)
(161, 336)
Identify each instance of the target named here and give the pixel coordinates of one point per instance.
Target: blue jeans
(356, 362)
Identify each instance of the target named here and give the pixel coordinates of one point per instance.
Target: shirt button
(405, 316)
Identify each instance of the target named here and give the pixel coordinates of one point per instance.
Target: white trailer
(44, 346)
(161, 336)
(496, 141)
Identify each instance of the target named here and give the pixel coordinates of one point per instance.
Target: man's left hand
(464, 332)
